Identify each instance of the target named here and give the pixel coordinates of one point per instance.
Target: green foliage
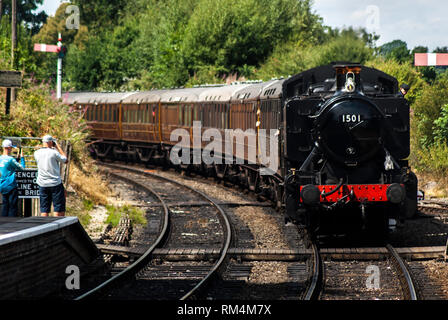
(26, 14)
(428, 109)
(433, 159)
(243, 32)
(48, 34)
(24, 59)
(87, 205)
(344, 48)
(290, 58)
(205, 75)
(107, 61)
(36, 113)
(441, 125)
(397, 50)
(101, 14)
(404, 72)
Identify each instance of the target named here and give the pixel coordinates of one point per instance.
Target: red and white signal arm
(431, 59)
(45, 47)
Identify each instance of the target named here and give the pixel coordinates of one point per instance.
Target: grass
(80, 208)
(136, 215)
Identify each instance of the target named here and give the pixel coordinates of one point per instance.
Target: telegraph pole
(13, 41)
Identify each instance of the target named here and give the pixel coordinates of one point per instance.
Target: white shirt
(48, 166)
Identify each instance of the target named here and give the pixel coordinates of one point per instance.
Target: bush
(433, 159)
(36, 113)
(405, 73)
(293, 57)
(441, 125)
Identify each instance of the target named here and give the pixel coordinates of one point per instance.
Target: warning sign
(27, 184)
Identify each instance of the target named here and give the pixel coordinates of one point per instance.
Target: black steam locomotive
(346, 133)
(342, 130)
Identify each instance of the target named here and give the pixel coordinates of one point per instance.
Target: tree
(441, 50)
(57, 24)
(26, 13)
(290, 58)
(240, 34)
(101, 14)
(48, 34)
(24, 57)
(397, 50)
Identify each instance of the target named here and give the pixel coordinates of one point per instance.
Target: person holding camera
(8, 184)
(49, 179)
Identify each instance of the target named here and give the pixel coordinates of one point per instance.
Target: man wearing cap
(49, 179)
(8, 184)
(404, 88)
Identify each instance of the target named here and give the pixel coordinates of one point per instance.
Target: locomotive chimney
(348, 77)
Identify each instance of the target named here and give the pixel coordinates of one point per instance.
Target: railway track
(153, 275)
(233, 278)
(433, 207)
(387, 278)
(309, 277)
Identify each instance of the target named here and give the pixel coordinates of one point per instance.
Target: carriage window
(140, 114)
(146, 114)
(106, 113)
(190, 115)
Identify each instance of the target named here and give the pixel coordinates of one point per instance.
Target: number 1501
(351, 118)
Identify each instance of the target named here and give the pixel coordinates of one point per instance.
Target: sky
(417, 22)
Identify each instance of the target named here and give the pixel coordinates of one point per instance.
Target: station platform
(39, 254)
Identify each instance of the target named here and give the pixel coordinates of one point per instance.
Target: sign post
(8, 80)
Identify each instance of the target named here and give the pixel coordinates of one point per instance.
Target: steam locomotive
(346, 143)
(340, 137)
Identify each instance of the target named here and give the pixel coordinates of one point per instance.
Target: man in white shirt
(49, 179)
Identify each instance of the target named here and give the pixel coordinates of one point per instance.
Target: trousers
(10, 203)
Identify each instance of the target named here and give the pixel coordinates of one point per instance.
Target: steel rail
(223, 216)
(411, 293)
(144, 259)
(315, 283)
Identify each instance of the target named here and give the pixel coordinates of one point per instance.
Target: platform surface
(15, 229)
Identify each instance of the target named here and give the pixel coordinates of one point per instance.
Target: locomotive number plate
(351, 118)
